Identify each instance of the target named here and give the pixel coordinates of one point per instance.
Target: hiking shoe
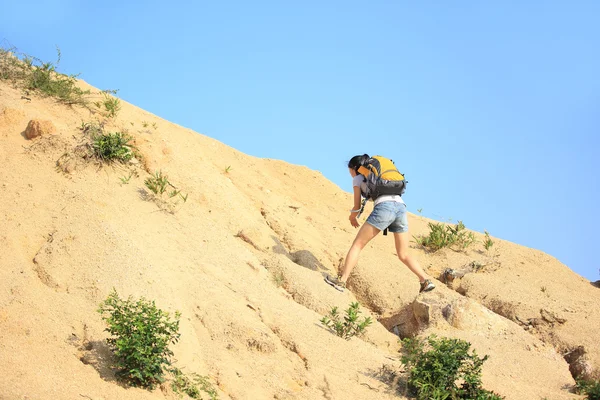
(426, 286)
(336, 283)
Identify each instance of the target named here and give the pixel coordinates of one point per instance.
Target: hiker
(389, 213)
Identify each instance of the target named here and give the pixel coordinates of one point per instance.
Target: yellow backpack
(382, 178)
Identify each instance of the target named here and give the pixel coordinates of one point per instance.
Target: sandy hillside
(243, 260)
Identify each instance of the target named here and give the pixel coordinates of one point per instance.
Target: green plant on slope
(442, 369)
(441, 235)
(590, 388)
(157, 183)
(125, 179)
(192, 385)
(438, 237)
(461, 237)
(31, 73)
(350, 325)
(112, 146)
(141, 335)
(487, 242)
(112, 105)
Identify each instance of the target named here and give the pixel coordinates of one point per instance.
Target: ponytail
(358, 161)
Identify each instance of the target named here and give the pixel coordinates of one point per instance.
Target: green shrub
(461, 237)
(441, 235)
(438, 237)
(443, 369)
(590, 388)
(141, 335)
(192, 385)
(112, 146)
(112, 105)
(350, 326)
(33, 74)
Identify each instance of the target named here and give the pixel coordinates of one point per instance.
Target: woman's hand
(353, 220)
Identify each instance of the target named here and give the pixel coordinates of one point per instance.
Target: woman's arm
(356, 208)
(357, 198)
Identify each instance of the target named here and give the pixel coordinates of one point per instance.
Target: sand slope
(243, 260)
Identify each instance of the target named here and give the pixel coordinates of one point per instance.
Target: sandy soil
(243, 260)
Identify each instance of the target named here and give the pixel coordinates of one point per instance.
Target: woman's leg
(363, 237)
(402, 240)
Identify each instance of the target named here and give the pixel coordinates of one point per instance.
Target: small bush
(112, 105)
(112, 146)
(350, 326)
(589, 388)
(462, 238)
(192, 385)
(438, 237)
(157, 183)
(141, 335)
(441, 235)
(443, 369)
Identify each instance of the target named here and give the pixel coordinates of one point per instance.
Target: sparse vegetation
(157, 183)
(193, 385)
(443, 369)
(102, 147)
(441, 235)
(125, 179)
(112, 146)
(144, 124)
(141, 335)
(589, 388)
(278, 278)
(487, 242)
(112, 105)
(419, 210)
(350, 326)
(92, 129)
(228, 169)
(154, 125)
(33, 74)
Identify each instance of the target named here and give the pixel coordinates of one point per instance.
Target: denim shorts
(390, 215)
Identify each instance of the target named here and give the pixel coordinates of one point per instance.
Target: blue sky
(489, 108)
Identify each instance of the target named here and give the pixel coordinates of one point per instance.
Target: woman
(389, 211)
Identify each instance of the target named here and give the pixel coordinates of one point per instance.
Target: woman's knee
(404, 257)
(359, 244)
